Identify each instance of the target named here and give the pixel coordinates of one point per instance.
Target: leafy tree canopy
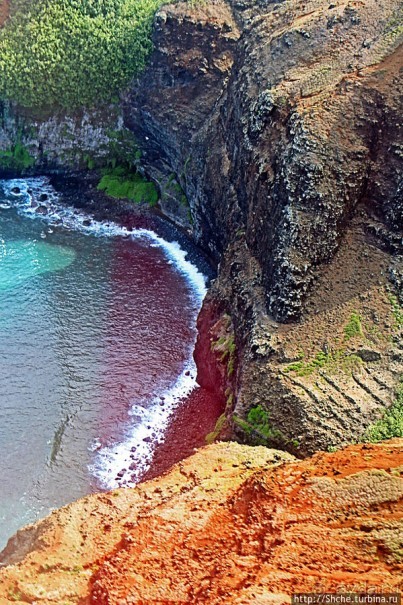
(72, 53)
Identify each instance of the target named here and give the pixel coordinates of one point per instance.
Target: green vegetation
(16, 158)
(333, 361)
(394, 28)
(338, 360)
(230, 399)
(257, 424)
(180, 193)
(215, 433)
(354, 327)
(73, 53)
(391, 424)
(122, 183)
(174, 189)
(223, 420)
(397, 311)
(258, 419)
(89, 161)
(122, 148)
(226, 346)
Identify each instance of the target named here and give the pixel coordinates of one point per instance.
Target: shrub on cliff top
(73, 53)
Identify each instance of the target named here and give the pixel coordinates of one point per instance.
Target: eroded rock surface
(281, 122)
(232, 524)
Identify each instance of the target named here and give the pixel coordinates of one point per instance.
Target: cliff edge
(231, 524)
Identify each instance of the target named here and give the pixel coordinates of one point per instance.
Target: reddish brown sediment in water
(158, 360)
(230, 525)
(192, 421)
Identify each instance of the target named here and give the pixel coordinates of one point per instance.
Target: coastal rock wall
(280, 130)
(282, 123)
(273, 131)
(33, 141)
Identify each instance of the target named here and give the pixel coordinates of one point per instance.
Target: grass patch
(391, 424)
(120, 183)
(226, 347)
(333, 362)
(354, 326)
(215, 433)
(122, 149)
(174, 188)
(397, 311)
(223, 419)
(258, 419)
(257, 425)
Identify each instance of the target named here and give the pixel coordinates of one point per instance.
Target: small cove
(97, 328)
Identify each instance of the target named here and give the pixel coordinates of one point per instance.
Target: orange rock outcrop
(232, 525)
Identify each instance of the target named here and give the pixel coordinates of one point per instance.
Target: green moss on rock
(122, 184)
(391, 424)
(16, 158)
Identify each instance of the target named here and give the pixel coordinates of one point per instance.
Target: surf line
(126, 462)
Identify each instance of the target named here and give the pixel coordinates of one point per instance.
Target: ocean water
(97, 329)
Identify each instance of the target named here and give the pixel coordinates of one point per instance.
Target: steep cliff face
(232, 524)
(49, 141)
(282, 123)
(189, 69)
(280, 131)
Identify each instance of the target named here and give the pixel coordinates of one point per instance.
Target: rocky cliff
(33, 141)
(277, 125)
(281, 122)
(232, 524)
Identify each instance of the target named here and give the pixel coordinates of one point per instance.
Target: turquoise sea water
(22, 260)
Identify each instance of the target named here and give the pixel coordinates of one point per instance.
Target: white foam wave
(126, 462)
(178, 257)
(36, 198)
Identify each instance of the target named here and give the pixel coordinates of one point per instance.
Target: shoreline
(79, 190)
(177, 444)
(185, 428)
